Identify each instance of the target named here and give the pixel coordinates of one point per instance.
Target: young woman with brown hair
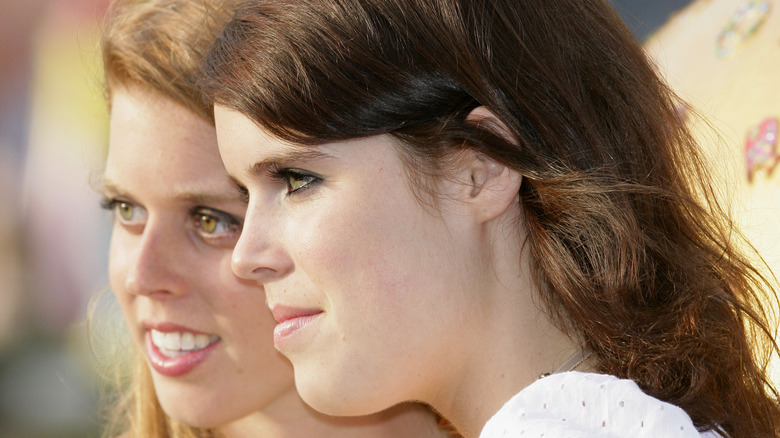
(448, 199)
(203, 361)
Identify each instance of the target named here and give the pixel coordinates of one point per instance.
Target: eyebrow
(203, 197)
(296, 153)
(192, 196)
(110, 188)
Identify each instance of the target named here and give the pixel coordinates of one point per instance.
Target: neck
(503, 374)
(290, 417)
(510, 343)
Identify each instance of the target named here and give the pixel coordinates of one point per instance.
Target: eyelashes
(243, 193)
(214, 222)
(296, 180)
(126, 212)
(214, 226)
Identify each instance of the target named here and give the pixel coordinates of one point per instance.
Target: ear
(494, 186)
(487, 119)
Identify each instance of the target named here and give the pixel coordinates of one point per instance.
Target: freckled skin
(165, 272)
(417, 303)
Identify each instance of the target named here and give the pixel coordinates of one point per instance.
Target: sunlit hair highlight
(159, 45)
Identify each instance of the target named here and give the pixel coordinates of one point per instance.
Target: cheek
(118, 264)
(228, 294)
(118, 260)
(367, 256)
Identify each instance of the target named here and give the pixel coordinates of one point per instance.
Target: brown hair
(158, 45)
(631, 250)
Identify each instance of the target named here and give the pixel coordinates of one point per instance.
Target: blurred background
(54, 236)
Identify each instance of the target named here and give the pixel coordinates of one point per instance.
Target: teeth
(172, 341)
(201, 341)
(174, 344)
(187, 341)
(158, 338)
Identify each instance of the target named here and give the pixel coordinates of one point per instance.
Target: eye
(298, 182)
(126, 212)
(214, 224)
(208, 223)
(295, 179)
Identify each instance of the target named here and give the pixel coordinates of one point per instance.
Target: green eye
(215, 224)
(208, 223)
(125, 210)
(125, 213)
(296, 182)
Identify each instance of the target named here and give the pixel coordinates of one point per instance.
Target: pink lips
(179, 365)
(291, 321)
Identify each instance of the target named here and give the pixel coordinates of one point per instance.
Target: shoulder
(578, 404)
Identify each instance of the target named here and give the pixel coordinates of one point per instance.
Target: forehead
(155, 139)
(247, 149)
(139, 111)
(231, 123)
(242, 143)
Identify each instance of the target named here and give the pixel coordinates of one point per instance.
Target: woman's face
(369, 287)
(205, 334)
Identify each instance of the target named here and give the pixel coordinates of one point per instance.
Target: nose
(259, 254)
(156, 265)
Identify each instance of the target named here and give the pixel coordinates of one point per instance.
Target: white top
(578, 405)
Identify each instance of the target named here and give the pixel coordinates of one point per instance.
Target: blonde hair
(159, 45)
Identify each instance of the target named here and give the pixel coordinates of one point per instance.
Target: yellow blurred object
(53, 132)
(67, 140)
(723, 59)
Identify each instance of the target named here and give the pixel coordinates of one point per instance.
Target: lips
(284, 313)
(174, 350)
(291, 321)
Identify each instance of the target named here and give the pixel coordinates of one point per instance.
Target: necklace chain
(573, 362)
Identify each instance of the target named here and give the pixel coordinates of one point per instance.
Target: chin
(196, 410)
(195, 416)
(337, 399)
